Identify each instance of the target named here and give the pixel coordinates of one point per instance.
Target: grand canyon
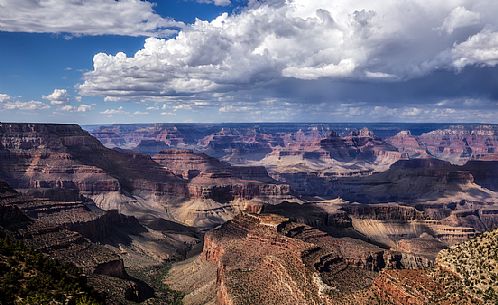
(259, 213)
(248, 152)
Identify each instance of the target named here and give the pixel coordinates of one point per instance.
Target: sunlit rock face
(210, 178)
(44, 156)
(456, 144)
(269, 259)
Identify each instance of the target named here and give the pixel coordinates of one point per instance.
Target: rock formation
(104, 244)
(419, 180)
(408, 145)
(66, 157)
(211, 179)
(63, 162)
(267, 259)
(456, 144)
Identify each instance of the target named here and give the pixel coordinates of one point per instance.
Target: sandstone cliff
(104, 244)
(267, 259)
(211, 179)
(64, 156)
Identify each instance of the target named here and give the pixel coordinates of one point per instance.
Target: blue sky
(106, 61)
(33, 64)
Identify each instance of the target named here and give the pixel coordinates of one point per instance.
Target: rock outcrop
(360, 145)
(267, 259)
(104, 244)
(295, 262)
(416, 180)
(130, 136)
(405, 228)
(45, 156)
(456, 144)
(210, 178)
(408, 145)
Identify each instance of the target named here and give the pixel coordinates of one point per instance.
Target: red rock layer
(457, 144)
(66, 157)
(265, 259)
(211, 179)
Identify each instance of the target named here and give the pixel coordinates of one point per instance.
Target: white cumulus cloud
(9, 103)
(58, 97)
(85, 17)
(306, 40)
(479, 49)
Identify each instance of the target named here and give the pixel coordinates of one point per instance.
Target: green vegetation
(154, 276)
(29, 277)
(476, 262)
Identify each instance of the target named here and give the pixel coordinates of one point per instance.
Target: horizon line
(241, 123)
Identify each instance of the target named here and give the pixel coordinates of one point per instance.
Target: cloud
(58, 97)
(114, 111)
(8, 103)
(61, 98)
(78, 108)
(168, 113)
(30, 105)
(299, 39)
(460, 17)
(479, 49)
(344, 68)
(4, 97)
(216, 2)
(85, 17)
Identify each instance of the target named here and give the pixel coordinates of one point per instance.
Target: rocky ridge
(210, 178)
(292, 263)
(104, 244)
(63, 162)
(456, 144)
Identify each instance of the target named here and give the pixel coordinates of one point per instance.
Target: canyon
(291, 263)
(64, 160)
(254, 213)
(105, 245)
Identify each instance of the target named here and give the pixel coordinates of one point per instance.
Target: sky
(132, 61)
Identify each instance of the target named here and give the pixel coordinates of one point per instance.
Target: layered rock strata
(45, 156)
(210, 178)
(104, 244)
(288, 263)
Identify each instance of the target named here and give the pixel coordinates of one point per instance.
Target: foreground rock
(104, 244)
(266, 259)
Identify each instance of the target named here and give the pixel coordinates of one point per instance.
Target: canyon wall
(267, 259)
